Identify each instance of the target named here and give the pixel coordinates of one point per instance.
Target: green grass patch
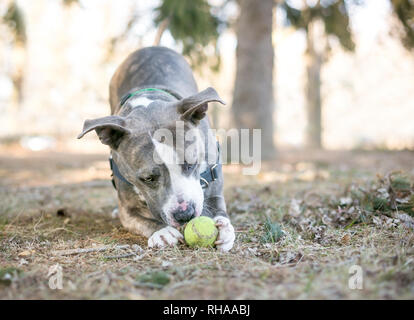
(273, 232)
(155, 279)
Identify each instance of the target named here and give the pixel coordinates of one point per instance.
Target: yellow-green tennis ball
(201, 232)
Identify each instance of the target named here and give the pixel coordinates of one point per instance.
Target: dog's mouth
(169, 220)
(182, 214)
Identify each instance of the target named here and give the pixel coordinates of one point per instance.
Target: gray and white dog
(155, 108)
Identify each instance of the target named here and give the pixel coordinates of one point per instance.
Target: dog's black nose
(182, 215)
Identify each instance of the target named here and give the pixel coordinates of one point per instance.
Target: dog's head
(159, 149)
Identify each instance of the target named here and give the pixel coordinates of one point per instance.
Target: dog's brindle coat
(161, 195)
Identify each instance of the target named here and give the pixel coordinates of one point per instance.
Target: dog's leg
(215, 207)
(136, 217)
(159, 235)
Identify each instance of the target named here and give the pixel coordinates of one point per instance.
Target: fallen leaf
(346, 239)
(406, 220)
(26, 253)
(290, 257)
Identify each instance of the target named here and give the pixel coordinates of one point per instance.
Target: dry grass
(39, 215)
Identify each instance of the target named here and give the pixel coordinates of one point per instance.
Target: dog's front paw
(165, 237)
(226, 236)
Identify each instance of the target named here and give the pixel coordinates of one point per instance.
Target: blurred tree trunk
(18, 74)
(253, 100)
(161, 28)
(13, 18)
(319, 19)
(315, 53)
(18, 80)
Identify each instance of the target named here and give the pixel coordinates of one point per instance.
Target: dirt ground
(301, 224)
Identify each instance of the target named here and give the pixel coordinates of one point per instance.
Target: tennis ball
(200, 232)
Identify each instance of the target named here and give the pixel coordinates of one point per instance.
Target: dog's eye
(148, 179)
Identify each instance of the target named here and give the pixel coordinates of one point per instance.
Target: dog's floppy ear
(194, 108)
(110, 129)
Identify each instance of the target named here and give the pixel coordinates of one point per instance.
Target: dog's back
(157, 67)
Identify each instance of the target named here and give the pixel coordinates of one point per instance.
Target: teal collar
(126, 97)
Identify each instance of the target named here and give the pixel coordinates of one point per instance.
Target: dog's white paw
(226, 236)
(167, 236)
